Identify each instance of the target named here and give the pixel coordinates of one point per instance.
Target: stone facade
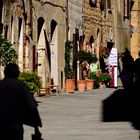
(38, 31)
(39, 28)
(135, 22)
(98, 25)
(108, 24)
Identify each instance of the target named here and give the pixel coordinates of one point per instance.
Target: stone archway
(42, 53)
(54, 52)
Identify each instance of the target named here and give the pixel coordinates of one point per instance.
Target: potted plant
(96, 78)
(100, 79)
(7, 53)
(105, 78)
(85, 58)
(32, 81)
(70, 82)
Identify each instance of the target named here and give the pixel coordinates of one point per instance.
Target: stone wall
(97, 23)
(21, 19)
(135, 22)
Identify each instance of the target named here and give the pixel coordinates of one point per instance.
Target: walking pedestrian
(137, 68)
(136, 95)
(126, 74)
(17, 106)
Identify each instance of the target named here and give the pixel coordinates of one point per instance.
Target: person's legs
(11, 132)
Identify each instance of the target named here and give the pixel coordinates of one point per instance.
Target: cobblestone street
(78, 117)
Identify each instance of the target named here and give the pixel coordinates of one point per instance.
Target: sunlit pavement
(78, 117)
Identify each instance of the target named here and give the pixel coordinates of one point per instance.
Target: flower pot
(102, 85)
(81, 85)
(70, 85)
(89, 84)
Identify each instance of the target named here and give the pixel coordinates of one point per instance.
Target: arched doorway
(54, 52)
(43, 53)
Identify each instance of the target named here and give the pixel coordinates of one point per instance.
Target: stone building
(135, 28)
(122, 22)
(107, 23)
(38, 30)
(98, 23)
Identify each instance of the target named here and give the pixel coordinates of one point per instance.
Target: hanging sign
(113, 57)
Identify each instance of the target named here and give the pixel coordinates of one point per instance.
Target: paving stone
(78, 117)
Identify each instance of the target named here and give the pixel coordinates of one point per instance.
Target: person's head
(127, 52)
(11, 70)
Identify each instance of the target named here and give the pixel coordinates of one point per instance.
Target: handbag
(37, 135)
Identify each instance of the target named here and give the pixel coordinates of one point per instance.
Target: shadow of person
(116, 107)
(122, 106)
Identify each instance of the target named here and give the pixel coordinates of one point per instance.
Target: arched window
(40, 25)
(93, 3)
(53, 25)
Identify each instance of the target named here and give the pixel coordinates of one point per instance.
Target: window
(93, 3)
(126, 8)
(102, 5)
(109, 6)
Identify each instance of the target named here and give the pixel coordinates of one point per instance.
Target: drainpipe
(67, 20)
(115, 24)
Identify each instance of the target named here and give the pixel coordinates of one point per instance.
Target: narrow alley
(78, 117)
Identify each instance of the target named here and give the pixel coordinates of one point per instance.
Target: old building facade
(107, 23)
(135, 28)
(98, 23)
(39, 29)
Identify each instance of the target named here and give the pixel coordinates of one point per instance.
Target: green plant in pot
(68, 68)
(7, 52)
(96, 78)
(105, 78)
(85, 58)
(70, 82)
(32, 81)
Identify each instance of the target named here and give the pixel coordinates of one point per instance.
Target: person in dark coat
(136, 68)
(136, 95)
(126, 74)
(16, 103)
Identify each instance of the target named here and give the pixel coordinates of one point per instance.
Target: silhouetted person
(17, 106)
(136, 94)
(126, 74)
(136, 68)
